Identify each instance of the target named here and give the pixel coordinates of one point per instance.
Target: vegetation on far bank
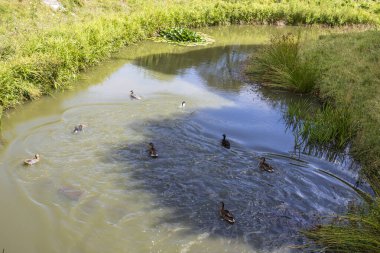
(343, 71)
(43, 50)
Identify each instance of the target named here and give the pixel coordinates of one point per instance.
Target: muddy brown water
(99, 191)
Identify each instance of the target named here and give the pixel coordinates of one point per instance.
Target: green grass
(350, 78)
(324, 127)
(358, 231)
(281, 65)
(179, 34)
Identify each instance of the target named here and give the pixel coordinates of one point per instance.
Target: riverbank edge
(321, 53)
(357, 231)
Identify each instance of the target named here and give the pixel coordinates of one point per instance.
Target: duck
(152, 151)
(265, 166)
(134, 96)
(32, 161)
(225, 143)
(78, 128)
(225, 214)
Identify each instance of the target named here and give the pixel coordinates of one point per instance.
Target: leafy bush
(181, 35)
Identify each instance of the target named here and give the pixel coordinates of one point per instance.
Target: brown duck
(226, 215)
(78, 128)
(265, 166)
(225, 143)
(32, 161)
(152, 151)
(134, 96)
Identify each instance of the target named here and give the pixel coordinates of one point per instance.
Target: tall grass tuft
(328, 127)
(358, 231)
(280, 64)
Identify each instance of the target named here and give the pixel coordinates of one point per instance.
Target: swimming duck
(226, 215)
(152, 151)
(78, 128)
(134, 96)
(32, 161)
(265, 166)
(225, 143)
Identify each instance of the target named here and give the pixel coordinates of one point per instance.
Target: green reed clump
(358, 231)
(332, 127)
(329, 127)
(280, 64)
(180, 34)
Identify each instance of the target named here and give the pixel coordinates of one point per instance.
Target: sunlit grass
(178, 34)
(280, 64)
(328, 127)
(358, 231)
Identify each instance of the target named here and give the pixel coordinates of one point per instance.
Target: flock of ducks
(224, 213)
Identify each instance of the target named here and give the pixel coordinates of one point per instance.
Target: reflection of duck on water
(226, 215)
(32, 161)
(265, 166)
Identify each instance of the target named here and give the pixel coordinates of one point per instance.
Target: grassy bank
(343, 71)
(358, 231)
(43, 50)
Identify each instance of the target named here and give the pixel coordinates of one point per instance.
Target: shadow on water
(194, 173)
(221, 68)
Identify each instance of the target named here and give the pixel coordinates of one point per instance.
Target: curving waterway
(99, 191)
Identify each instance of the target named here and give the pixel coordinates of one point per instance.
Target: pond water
(99, 191)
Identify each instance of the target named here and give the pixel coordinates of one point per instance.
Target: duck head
(224, 136)
(37, 156)
(183, 103)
